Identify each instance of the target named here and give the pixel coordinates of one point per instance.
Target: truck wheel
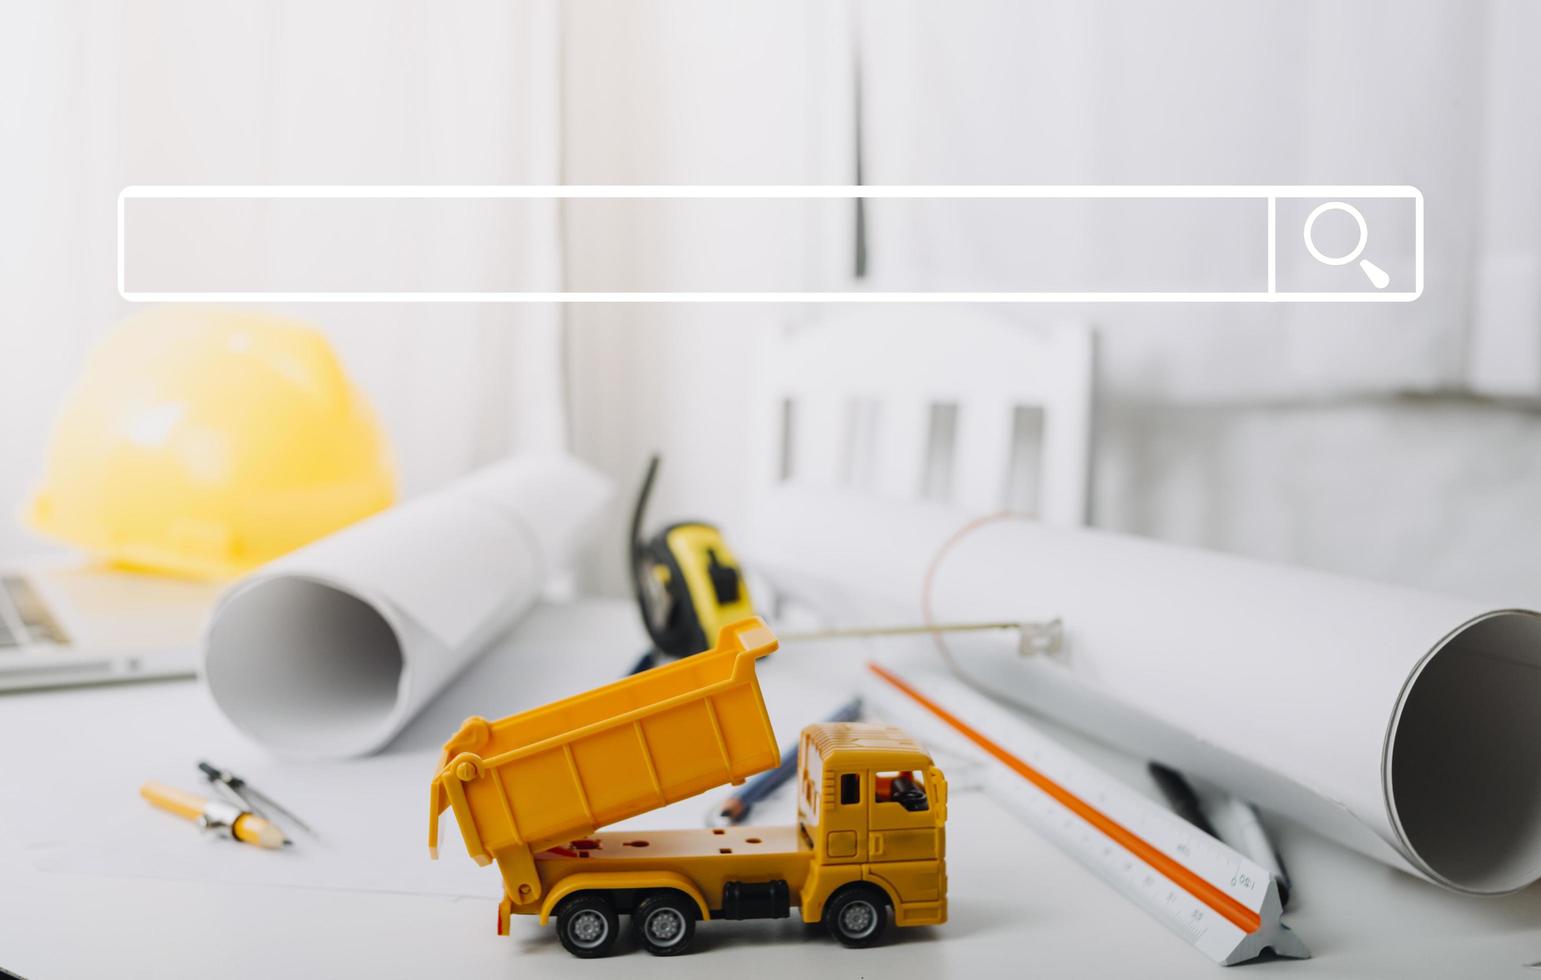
(857, 915)
(587, 924)
(665, 923)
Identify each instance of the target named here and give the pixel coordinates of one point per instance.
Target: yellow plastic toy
(204, 442)
(530, 791)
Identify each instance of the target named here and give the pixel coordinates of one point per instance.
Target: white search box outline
(1271, 193)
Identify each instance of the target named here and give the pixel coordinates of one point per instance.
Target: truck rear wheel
(587, 924)
(665, 923)
(857, 915)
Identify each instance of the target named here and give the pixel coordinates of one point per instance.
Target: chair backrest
(953, 404)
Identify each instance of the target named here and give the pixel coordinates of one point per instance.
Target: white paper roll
(1402, 723)
(328, 652)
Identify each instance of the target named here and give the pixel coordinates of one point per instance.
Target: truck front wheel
(587, 924)
(857, 915)
(665, 923)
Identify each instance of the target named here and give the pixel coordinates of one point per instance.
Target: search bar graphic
(1279, 243)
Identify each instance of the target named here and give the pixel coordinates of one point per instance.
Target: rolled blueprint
(329, 651)
(1404, 724)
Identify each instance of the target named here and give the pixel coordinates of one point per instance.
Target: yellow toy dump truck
(530, 791)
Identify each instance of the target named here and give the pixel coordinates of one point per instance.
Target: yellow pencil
(243, 825)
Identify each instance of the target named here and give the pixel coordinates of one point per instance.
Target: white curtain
(102, 95)
(1436, 93)
(703, 92)
(1505, 357)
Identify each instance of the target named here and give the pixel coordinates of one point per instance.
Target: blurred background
(1396, 441)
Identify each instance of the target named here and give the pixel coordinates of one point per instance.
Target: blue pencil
(735, 809)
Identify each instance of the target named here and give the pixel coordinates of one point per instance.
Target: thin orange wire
(929, 582)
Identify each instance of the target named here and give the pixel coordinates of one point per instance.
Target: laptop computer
(63, 624)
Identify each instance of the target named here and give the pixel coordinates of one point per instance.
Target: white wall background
(1393, 441)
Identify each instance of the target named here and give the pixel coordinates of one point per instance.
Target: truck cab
(872, 808)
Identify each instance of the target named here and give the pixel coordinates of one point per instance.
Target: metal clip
(251, 799)
(1041, 638)
(220, 816)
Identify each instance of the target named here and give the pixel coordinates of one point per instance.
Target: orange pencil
(216, 814)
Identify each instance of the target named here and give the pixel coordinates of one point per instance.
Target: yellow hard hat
(204, 442)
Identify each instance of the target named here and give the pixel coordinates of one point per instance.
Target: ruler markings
(1185, 878)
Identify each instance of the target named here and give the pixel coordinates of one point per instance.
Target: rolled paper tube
(1402, 723)
(328, 652)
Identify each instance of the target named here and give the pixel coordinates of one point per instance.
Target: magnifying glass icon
(1377, 276)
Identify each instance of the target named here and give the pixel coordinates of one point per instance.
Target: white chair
(953, 404)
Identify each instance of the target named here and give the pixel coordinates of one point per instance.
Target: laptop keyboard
(24, 618)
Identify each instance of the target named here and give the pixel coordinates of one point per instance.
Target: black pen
(1181, 797)
(1254, 841)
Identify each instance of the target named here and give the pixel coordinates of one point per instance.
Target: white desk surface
(1018, 907)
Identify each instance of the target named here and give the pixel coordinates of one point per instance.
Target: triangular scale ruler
(1217, 899)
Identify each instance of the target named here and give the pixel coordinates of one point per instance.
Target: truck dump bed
(559, 772)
